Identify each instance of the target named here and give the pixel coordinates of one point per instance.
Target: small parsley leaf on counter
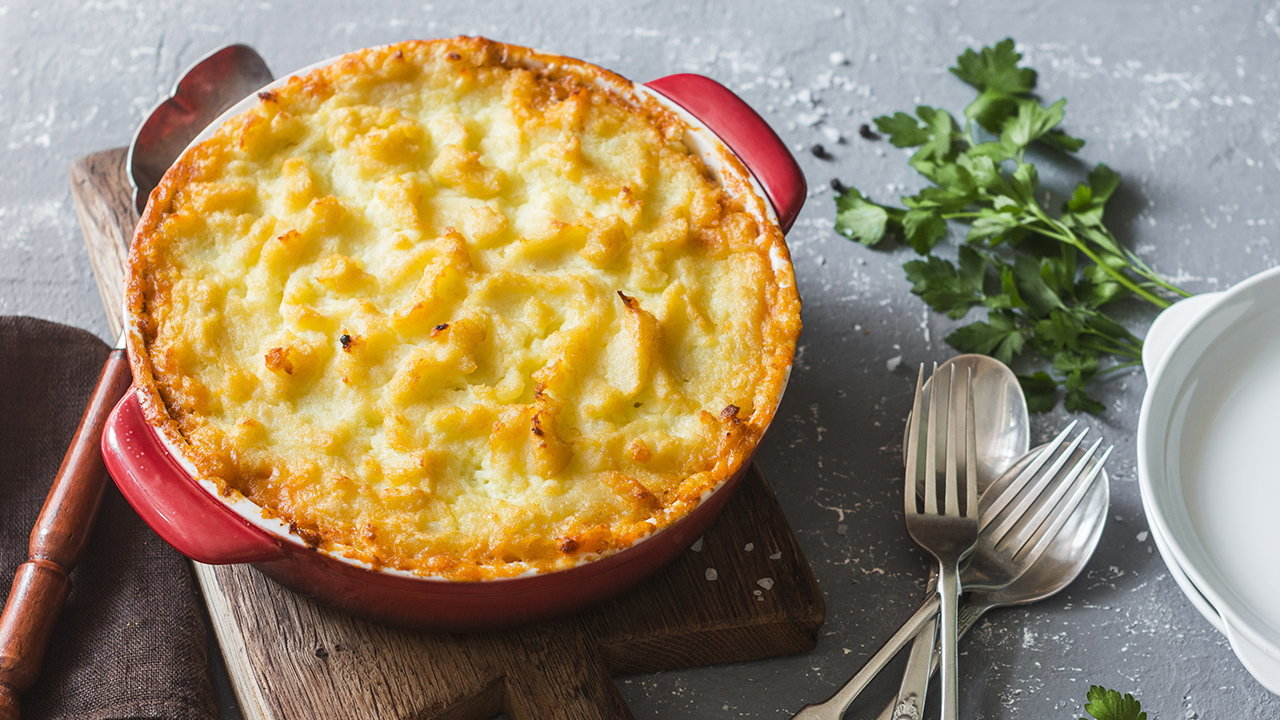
(1107, 704)
(1045, 279)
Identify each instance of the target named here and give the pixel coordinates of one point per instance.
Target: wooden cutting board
(744, 592)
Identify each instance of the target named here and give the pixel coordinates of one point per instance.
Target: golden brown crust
(580, 432)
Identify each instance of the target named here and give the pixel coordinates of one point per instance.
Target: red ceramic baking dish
(190, 514)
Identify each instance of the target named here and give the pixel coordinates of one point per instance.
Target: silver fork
(948, 531)
(1026, 492)
(1048, 492)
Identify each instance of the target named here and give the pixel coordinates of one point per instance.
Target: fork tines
(957, 416)
(1028, 513)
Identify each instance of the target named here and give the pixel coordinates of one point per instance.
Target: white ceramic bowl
(1207, 462)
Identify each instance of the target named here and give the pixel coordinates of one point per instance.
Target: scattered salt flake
(712, 575)
(776, 556)
(809, 119)
(892, 363)
(831, 134)
(1028, 638)
(749, 547)
(766, 583)
(842, 529)
(697, 545)
(838, 58)
(1142, 536)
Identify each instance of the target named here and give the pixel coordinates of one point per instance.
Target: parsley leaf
(1041, 391)
(1044, 281)
(995, 68)
(1031, 122)
(1107, 704)
(923, 229)
(946, 288)
(1001, 337)
(941, 130)
(857, 218)
(903, 130)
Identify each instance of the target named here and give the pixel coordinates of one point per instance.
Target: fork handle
(833, 708)
(949, 597)
(920, 667)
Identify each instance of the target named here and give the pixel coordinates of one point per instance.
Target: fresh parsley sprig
(1107, 704)
(1045, 279)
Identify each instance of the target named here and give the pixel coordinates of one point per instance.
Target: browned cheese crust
(461, 309)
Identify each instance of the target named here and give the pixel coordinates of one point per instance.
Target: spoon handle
(833, 708)
(922, 662)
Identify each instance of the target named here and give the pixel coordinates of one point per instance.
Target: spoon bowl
(998, 574)
(999, 409)
(1065, 559)
(211, 85)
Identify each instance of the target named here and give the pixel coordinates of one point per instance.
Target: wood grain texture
(98, 182)
(746, 593)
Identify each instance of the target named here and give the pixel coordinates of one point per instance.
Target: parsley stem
(1121, 366)
(1060, 232)
(1121, 350)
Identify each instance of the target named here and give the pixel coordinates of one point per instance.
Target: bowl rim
(1182, 551)
(713, 150)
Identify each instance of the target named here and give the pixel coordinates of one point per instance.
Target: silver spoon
(1060, 566)
(214, 83)
(1003, 431)
(1039, 499)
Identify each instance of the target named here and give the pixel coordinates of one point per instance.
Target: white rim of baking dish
(709, 147)
(1254, 638)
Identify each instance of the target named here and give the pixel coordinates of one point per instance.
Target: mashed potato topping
(461, 309)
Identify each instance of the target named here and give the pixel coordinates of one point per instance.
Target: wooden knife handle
(58, 539)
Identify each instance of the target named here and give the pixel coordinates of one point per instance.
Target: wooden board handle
(559, 676)
(100, 189)
(58, 539)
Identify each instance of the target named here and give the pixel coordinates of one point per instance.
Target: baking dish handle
(746, 134)
(170, 501)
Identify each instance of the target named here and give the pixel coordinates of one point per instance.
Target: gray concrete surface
(1181, 98)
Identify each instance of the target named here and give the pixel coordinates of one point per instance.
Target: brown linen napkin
(130, 642)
